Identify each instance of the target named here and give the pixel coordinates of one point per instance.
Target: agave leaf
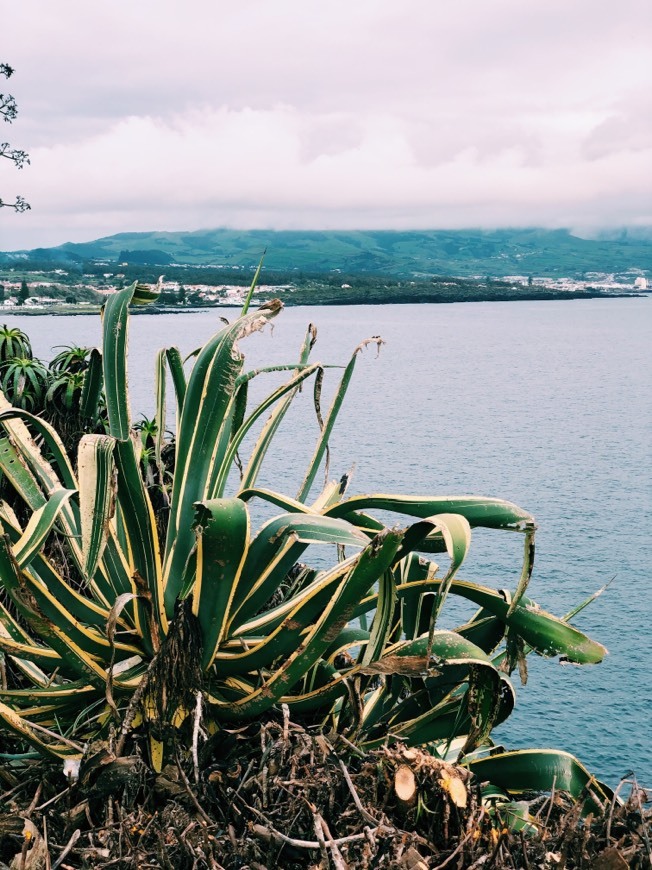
(327, 428)
(247, 302)
(39, 527)
(484, 630)
(276, 417)
(427, 716)
(285, 502)
(25, 654)
(36, 675)
(115, 323)
(470, 628)
(139, 521)
(68, 656)
(366, 523)
(316, 701)
(374, 705)
(492, 513)
(417, 534)
(14, 421)
(160, 414)
(82, 608)
(113, 575)
(175, 362)
(10, 627)
(319, 693)
(526, 571)
(382, 625)
(530, 770)
(544, 632)
(241, 431)
(145, 294)
(349, 637)
(416, 609)
(92, 389)
(446, 646)
(114, 362)
(79, 646)
(207, 401)
(469, 705)
(454, 716)
(23, 729)
(330, 494)
(278, 545)
(240, 400)
(19, 475)
(39, 655)
(96, 471)
(368, 566)
(483, 703)
(313, 582)
(511, 814)
(283, 626)
(222, 528)
(46, 694)
(456, 532)
(218, 457)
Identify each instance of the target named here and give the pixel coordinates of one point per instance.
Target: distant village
(59, 288)
(47, 291)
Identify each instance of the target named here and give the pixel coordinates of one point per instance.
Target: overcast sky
(153, 114)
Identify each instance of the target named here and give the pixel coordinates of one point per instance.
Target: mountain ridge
(400, 253)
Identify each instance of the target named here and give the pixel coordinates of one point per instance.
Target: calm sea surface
(546, 404)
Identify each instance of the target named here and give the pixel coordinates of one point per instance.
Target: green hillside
(432, 252)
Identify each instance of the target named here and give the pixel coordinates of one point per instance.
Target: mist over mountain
(498, 252)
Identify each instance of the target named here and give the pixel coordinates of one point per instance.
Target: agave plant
(150, 625)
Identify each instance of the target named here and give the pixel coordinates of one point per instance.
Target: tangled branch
(8, 112)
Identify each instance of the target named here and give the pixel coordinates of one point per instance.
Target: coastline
(425, 299)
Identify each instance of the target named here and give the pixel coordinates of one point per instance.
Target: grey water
(546, 404)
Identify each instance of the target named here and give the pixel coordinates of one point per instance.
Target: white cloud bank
(305, 115)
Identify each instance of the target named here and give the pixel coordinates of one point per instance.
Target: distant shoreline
(79, 311)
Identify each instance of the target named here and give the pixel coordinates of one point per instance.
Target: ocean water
(546, 404)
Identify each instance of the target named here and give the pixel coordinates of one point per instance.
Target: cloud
(154, 116)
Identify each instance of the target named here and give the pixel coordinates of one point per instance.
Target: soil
(280, 796)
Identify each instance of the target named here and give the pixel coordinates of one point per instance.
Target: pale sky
(326, 114)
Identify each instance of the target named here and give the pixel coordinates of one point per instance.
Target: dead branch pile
(277, 796)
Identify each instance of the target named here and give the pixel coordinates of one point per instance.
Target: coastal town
(39, 290)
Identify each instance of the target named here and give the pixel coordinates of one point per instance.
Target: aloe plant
(67, 392)
(71, 359)
(164, 607)
(13, 343)
(25, 381)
